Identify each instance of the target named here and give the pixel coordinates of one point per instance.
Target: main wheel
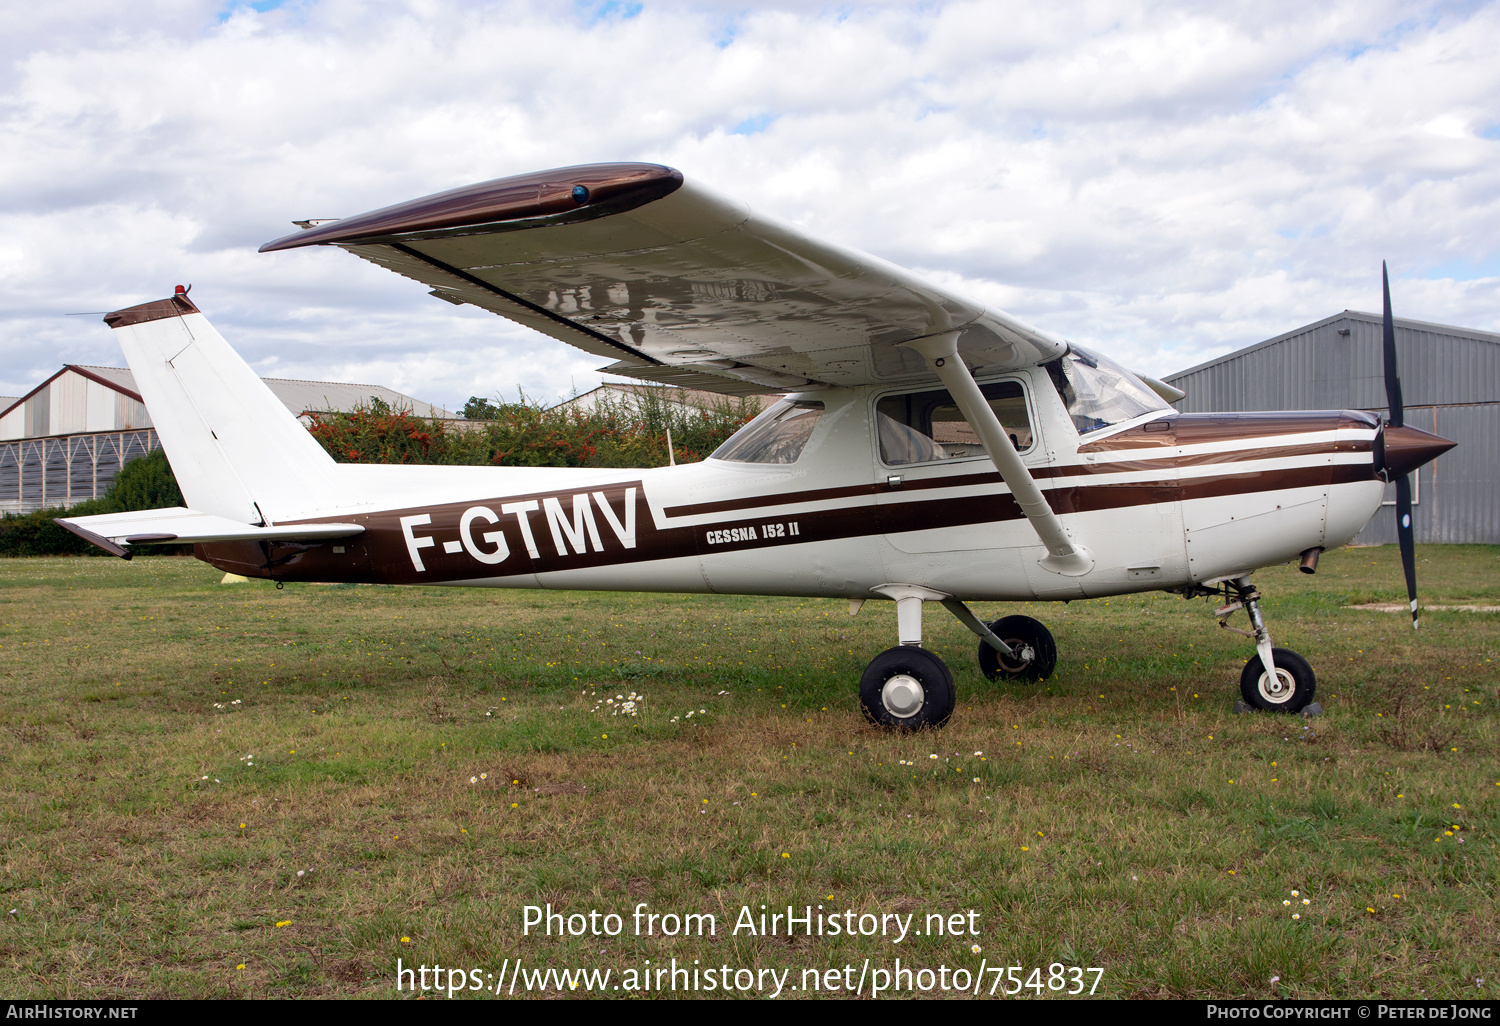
(1020, 633)
(1290, 692)
(907, 688)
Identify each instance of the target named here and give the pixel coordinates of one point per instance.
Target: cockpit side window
(1098, 392)
(776, 436)
(926, 427)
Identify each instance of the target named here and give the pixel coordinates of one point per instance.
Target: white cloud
(1164, 182)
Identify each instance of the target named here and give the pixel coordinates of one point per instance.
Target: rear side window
(926, 427)
(777, 436)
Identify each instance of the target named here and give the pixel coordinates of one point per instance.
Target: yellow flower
(785, 855)
(240, 966)
(1024, 848)
(405, 940)
(284, 922)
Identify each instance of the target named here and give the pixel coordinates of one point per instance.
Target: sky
(1163, 182)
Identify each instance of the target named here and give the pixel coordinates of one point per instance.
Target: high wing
(677, 284)
(114, 532)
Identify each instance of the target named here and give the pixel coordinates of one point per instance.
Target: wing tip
(537, 194)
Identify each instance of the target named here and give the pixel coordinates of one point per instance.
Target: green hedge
(627, 432)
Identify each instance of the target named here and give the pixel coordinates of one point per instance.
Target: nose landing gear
(1275, 679)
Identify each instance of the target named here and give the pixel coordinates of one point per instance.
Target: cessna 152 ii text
(929, 449)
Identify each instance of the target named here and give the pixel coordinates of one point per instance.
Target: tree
(480, 409)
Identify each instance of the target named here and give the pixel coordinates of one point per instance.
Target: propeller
(1397, 411)
(1401, 450)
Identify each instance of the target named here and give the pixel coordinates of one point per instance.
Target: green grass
(1116, 822)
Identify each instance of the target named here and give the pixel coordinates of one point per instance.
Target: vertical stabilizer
(237, 451)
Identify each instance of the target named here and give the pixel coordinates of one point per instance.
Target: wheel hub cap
(1278, 689)
(1024, 655)
(902, 695)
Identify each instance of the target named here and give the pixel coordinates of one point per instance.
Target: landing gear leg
(1275, 679)
(908, 687)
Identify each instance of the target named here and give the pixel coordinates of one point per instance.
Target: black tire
(1298, 683)
(925, 699)
(1019, 632)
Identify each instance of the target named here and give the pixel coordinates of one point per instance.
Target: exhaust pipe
(1310, 561)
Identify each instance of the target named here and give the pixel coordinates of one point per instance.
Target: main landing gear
(1275, 679)
(908, 687)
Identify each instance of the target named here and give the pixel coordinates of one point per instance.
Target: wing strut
(1064, 555)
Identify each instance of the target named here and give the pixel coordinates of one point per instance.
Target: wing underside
(676, 284)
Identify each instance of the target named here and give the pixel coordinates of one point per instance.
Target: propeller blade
(1392, 378)
(1406, 537)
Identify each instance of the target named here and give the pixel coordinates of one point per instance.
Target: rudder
(236, 449)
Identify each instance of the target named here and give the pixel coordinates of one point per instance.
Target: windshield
(1100, 393)
(776, 436)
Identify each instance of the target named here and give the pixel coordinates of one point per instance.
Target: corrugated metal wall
(1450, 381)
(37, 473)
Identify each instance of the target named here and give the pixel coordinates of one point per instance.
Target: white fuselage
(1161, 502)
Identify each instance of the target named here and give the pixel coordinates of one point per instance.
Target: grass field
(428, 762)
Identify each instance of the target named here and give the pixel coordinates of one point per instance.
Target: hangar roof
(1337, 363)
(300, 396)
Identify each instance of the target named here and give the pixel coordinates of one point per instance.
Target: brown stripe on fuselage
(381, 554)
(1196, 428)
(1040, 473)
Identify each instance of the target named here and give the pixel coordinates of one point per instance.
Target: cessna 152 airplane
(930, 449)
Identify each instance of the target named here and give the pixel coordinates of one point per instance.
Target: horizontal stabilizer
(116, 532)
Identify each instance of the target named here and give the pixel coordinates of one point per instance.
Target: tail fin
(237, 451)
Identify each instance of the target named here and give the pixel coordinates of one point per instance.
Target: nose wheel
(1289, 691)
(1274, 679)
